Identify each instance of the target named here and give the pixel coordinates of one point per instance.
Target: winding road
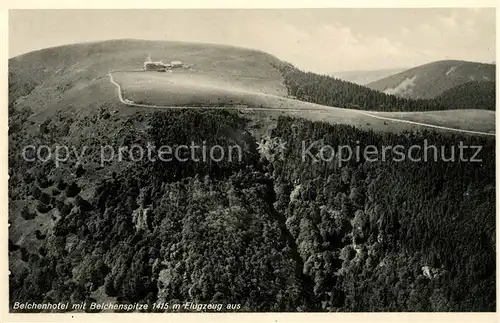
(426, 124)
(133, 104)
(323, 108)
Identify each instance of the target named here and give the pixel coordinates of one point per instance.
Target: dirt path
(426, 124)
(132, 104)
(323, 108)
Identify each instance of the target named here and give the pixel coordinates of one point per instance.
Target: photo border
(5, 316)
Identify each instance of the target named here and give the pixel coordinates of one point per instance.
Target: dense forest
(390, 235)
(470, 95)
(327, 90)
(271, 234)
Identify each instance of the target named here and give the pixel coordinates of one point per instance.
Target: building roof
(159, 63)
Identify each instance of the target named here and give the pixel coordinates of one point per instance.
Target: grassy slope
(73, 79)
(467, 119)
(191, 89)
(181, 89)
(56, 78)
(431, 79)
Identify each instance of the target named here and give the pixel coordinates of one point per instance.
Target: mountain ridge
(432, 79)
(74, 78)
(363, 77)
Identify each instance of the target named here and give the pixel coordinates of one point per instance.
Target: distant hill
(365, 77)
(430, 80)
(327, 90)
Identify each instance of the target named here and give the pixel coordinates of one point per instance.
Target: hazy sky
(320, 40)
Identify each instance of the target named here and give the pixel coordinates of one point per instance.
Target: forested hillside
(433, 79)
(390, 235)
(270, 231)
(471, 95)
(270, 234)
(326, 90)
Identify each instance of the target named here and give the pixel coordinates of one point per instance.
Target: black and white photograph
(324, 160)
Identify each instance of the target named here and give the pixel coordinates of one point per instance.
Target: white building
(176, 63)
